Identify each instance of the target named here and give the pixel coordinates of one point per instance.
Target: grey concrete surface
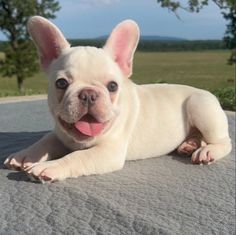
(165, 195)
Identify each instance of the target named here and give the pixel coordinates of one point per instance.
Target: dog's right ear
(48, 39)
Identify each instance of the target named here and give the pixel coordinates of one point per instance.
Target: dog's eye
(112, 86)
(62, 83)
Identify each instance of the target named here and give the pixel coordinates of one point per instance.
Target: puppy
(102, 118)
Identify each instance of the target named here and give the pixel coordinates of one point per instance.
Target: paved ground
(14, 99)
(165, 195)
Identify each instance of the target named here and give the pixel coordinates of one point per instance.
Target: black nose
(88, 96)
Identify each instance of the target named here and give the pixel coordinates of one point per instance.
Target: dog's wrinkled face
(85, 83)
(83, 92)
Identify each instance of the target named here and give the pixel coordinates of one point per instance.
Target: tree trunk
(20, 83)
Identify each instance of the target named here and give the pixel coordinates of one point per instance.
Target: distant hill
(161, 38)
(150, 38)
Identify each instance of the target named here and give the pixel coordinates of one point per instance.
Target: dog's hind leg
(192, 142)
(205, 114)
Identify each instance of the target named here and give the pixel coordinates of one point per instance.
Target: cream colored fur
(144, 120)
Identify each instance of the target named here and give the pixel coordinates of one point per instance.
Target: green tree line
(154, 46)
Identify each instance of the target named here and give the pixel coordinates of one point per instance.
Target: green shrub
(226, 97)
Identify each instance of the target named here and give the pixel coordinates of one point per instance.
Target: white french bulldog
(102, 118)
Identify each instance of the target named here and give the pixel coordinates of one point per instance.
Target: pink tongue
(89, 126)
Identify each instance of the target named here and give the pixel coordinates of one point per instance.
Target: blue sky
(93, 18)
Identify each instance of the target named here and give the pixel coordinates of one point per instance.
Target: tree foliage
(195, 5)
(230, 34)
(228, 9)
(20, 58)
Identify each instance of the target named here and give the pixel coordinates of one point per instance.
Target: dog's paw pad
(188, 147)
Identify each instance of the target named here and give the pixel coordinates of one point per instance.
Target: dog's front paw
(23, 159)
(16, 160)
(49, 171)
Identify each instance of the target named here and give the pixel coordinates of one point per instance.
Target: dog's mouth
(87, 126)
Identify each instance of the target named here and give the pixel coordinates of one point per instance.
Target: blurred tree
(196, 5)
(20, 58)
(230, 34)
(228, 9)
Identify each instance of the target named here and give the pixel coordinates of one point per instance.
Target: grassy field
(206, 70)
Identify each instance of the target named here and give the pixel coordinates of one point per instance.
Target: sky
(94, 18)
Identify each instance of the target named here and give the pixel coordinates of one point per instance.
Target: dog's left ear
(122, 44)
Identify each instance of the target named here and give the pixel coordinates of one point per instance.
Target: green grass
(208, 70)
(34, 85)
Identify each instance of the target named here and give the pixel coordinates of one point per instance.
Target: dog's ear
(48, 39)
(122, 43)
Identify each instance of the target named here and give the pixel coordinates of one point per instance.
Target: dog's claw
(43, 177)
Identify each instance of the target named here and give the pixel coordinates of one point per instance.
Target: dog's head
(85, 83)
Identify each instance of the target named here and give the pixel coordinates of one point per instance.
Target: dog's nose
(88, 96)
